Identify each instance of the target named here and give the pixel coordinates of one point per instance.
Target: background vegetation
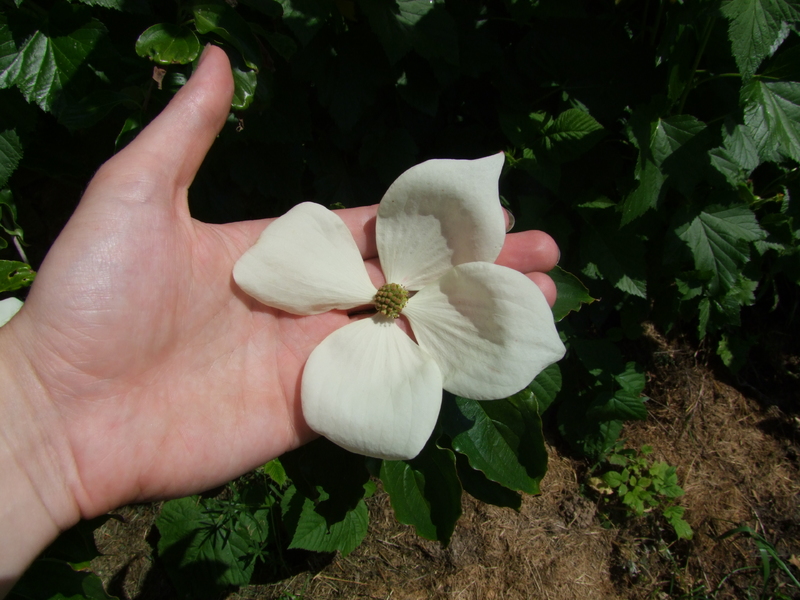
(658, 141)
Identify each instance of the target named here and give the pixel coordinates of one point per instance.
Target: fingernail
(511, 220)
(203, 55)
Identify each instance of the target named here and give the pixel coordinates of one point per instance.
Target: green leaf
(56, 580)
(501, 438)
(275, 471)
(224, 21)
(622, 405)
(166, 43)
(328, 474)
(674, 515)
(672, 153)
(571, 293)
(477, 485)
(244, 86)
(10, 154)
(423, 25)
(560, 140)
(757, 28)
(312, 531)
(15, 275)
(772, 115)
(545, 387)
(131, 6)
(305, 17)
(741, 146)
(718, 238)
(617, 258)
(91, 109)
(425, 492)
(44, 66)
(205, 548)
(270, 8)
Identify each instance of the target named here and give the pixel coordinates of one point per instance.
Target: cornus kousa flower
(482, 331)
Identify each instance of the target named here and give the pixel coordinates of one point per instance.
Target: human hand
(141, 370)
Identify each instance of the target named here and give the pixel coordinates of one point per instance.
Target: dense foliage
(656, 140)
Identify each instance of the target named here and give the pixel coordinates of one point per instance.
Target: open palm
(159, 375)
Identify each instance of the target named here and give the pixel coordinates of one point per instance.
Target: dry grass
(736, 461)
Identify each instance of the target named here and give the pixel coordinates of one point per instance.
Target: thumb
(172, 147)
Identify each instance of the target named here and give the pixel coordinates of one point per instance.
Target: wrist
(35, 499)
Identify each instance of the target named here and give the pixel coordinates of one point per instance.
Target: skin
(137, 370)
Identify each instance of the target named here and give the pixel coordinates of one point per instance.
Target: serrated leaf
(741, 146)
(646, 195)
(632, 379)
(502, 438)
(15, 275)
(8, 49)
(275, 471)
(166, 44)
(572, 294)
(772, 115)
(619, 259)
(545, 387)
(131, 6)
(44, 66)
(718, 238)
(224, 21)
(205, 548)
(757, 28)
(425, 492)
(723, 162)
(10, 154)
(312, 531)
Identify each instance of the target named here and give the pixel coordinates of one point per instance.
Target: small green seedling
(643, 486)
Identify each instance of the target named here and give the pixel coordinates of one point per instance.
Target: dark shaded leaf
(501, 438)
(224, 21)
(425, 492)
(572, 294)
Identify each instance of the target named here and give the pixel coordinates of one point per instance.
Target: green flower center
(391, 299)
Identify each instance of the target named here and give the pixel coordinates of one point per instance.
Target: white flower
(8, 308)
(482, 331)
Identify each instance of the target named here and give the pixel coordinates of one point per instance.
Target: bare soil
(736, 449)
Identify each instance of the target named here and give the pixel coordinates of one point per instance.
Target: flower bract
(482, 331)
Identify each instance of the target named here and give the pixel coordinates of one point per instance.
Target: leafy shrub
(657, 140)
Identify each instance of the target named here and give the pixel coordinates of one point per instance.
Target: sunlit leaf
(757, 28)
(166, 43)
(15, 275)
(718, 238)
(131, 6)
(44, 66)
(425, 492)
(772, 115)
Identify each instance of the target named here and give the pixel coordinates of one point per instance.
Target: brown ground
(737, 460)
